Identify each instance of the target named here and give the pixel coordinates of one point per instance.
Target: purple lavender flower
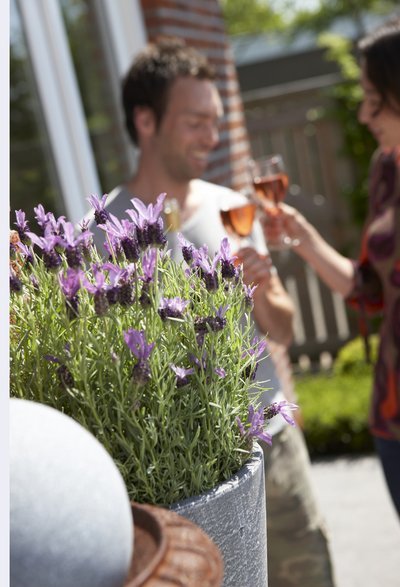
(181, 375)
(136, 341)
(149, 261)
(99, 291)
(101, 215)
(187, 248)
(254, 428)
(41, 216)
(124, 233)
(248, 295)
(51, 258)
(35, 282)
(22, 225)
(207, 268)
(87, 240)
(211, 323)
(172, 308)
(121, 288)
(70, 282)
(70, 285)
(15, 282)
(199, 363)
(219, 320)
(201, 327)
(25, 251)
(47, 221)
(279, 408)
(258, 346)
(148, 222)
(64, 374)
(228, 269)
(220, 372)
(72, 244)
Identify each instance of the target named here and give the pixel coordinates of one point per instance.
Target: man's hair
(152, 74)
(381, 52)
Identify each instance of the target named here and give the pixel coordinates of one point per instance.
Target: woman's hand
(285, 219)
(256, 267)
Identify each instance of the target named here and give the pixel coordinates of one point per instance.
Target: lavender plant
(155, 358)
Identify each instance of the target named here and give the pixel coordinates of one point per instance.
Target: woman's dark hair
(381, 52)
(152, 74)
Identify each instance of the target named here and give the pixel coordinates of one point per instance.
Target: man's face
(189, 129)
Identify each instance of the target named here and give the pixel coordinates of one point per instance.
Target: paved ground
(363, 526)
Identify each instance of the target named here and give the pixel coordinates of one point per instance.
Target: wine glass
(270, 182)
(237, 216)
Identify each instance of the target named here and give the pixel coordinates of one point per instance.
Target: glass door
(33, 177)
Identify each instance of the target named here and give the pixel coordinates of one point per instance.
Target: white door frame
(59, 91)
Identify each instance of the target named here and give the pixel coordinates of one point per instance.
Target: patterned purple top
(377, 288)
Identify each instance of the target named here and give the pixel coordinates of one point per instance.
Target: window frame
(59, 92)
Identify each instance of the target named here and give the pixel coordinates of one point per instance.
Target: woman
(373, 282)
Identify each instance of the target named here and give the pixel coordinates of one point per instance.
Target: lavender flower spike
(279, 408)
(99, 291)
(47, 221)
(150, 213)
(70, 283)
(25, 251)
(101, 215)
(72, 244)
(51, 258)
(41, 216)
(228, 269)
(207, 268)
(220, 371)
(255, 425)
(136, 342)
(149, 260)
(181, 374)
(187, 248)
(124, 233)
(172, 307)
(149, 224)
(248, 294)
(15, 283)
(22, 225)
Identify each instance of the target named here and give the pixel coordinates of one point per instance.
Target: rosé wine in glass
(271, 182)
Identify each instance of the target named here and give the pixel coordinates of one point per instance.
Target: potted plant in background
(155, 358)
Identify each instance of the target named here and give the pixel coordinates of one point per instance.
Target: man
(172, 110)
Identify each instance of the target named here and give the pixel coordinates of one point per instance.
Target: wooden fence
(310, 145)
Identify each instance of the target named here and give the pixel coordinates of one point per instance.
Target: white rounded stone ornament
(70, 516)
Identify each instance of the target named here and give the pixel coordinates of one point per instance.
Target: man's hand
(256, 268)
(273, 308)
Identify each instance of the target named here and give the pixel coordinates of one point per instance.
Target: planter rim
(246, 471)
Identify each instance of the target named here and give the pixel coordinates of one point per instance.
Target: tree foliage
(252, 16)
(358, 143)
(329, 10)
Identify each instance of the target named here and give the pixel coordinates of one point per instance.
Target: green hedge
(335, 405)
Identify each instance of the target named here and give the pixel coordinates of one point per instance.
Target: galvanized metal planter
(233, 514)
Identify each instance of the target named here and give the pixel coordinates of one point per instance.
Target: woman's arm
(333, 268)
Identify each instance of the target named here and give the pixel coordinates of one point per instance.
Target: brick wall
(200, 23)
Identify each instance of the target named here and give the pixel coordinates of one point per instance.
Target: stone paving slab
(363, 526)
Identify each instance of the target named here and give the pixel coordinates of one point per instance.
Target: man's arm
(273, 308)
